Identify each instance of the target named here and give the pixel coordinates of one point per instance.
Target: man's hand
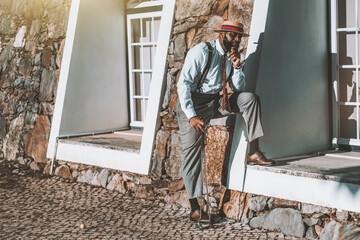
(234, 57)
(197, 124)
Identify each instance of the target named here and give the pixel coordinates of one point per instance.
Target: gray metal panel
(292, 79)
(96, 93)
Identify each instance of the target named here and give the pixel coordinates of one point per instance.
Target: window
(347, 26)
(92, 95)
(143, 30)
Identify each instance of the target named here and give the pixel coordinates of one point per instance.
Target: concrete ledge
(334, 166)
(122, 142)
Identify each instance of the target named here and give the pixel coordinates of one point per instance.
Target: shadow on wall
(251, 67)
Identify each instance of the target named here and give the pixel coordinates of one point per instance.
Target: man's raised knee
(248, 97)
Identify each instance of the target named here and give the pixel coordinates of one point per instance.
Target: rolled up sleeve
(189, 78)
(238, 82)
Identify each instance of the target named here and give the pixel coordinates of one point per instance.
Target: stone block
(143, 191)
(3, 128)
(179, 197)
(46, 57)
(170, 82)
(8, 76)
(318, 229)
(5, 4)
(217, 139)
(25, 67)
(60, 52)
(310, 208)
(180, 47)
(36, 139)
(207, 33)
(184, 27)
(311, 221)
(160, 184)
(35, 166)
(285, 220)
(335, 230)
(241, 10)
(47, 85)
(235, 205)
(46, 108)
(102, 178)
(144, 180)
(128, 176)
(257, 204)
(173, 163)
(281, 203)
(311, 233)
(190, 8)
(190, 37)
(176, 185)
(116, 183)
(20, 38)
(57, 24)
(342, 215)
(35, 28)
(87, 176)
(64, 172)
(159, 153)
(13, 137)
(219, 7)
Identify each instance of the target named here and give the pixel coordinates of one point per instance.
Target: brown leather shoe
(194, 216)
(258, 158)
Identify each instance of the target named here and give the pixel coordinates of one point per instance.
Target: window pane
(147, 81)
(137, 110)
(347, 48)
(346, 13)
(137, 84)
(347, 121)
(135, 30)
(135, 57)
(148, 57)
(146, 25)
(156, 29)
(347, 85)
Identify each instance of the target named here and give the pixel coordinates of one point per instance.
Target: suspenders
(207, 67)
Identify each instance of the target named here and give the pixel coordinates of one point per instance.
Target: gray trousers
(209, 106)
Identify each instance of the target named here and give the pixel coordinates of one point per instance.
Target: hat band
(233, 28)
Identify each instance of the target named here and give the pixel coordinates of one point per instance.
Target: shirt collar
(219, 48)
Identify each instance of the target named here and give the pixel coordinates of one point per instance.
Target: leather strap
(207, 67)
(225, 93)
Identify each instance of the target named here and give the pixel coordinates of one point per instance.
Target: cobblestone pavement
(35, 206)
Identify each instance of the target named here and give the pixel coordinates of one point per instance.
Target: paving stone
(37, 206)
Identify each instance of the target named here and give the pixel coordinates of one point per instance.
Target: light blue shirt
(194, 66)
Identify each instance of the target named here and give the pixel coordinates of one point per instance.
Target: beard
(235, 46)
(231, 46)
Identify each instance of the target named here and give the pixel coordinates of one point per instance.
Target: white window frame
(335, 30)
(132, 97)
(152, 3)
(109, 158)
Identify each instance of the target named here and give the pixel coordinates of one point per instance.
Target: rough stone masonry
(32, 38)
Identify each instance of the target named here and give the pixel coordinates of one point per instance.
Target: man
(199, 101)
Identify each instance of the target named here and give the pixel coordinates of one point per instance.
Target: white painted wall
(96, 92)
(292, 79)
(287, 67)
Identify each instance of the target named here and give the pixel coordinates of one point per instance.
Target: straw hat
(233, 26)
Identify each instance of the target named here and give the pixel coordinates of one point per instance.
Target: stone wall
(32, 38)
